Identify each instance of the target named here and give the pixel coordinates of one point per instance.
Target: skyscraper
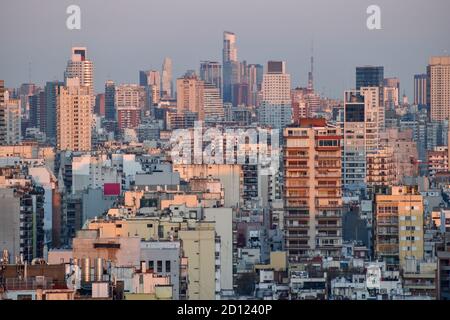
(420, 89)
(255, 76)
(80, 67)
(190, 95)
(213, 104)
(110, 98)
(51, 94)
(231, 66)
(391, 93)
(371, 76)
(275, 109)
(439, 87)
(312, 189)
(362, 134)
(229, 47)
(211, 72)
(166, 79)
(74, 116)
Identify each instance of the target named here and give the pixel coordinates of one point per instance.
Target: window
(159, 266)
(168, 266)
(151, 265)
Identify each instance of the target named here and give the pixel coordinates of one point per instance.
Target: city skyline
(105, 30)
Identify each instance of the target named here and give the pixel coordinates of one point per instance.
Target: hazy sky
(124, 37)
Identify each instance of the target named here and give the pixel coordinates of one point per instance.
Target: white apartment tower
(275, 109)
(363, 121)
(80, 67)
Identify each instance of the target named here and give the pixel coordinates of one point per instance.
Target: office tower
(231, 66)
(151, 81)
(2, 113)
(37, 115)
(275, 109)
(190, 95)
(129, 95)
(438, 72)
(240, 95)
(371, 76)
(13, 121)
(391, 93)
(399, 226)
(166, 78)
(110, 100)
(211, 72)
(213, 104)
(229, 47)
(74, 116)
(312, 189)
(255, 76)
(80, 67)
(143, 78)
(362, 129)
(276, 85)
(420, 89)
(51, 93)
(100, 104)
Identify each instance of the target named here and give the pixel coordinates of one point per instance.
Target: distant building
(438, 72)
(74, 116)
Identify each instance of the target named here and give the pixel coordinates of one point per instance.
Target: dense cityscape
(228, 182)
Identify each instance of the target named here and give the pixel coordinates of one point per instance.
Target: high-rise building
(100, 104)
(398, 226)
(21, 221)
(166, 78)
(229, 47)
(362, 134)
(439, 87)
(231, 66)
(275, 109)
(371, 76)
(13, 121)
(80, 67)
(312, 189)
(110, 100)
(190, 95)
(391, 93)
(420, 89)
(2, 113)
(276, 85)
(151, 81)
(51, 94)
(38, 108)
(255, 76)
(211, 72)
(213, 104)
(74, 116)
(129, 95)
